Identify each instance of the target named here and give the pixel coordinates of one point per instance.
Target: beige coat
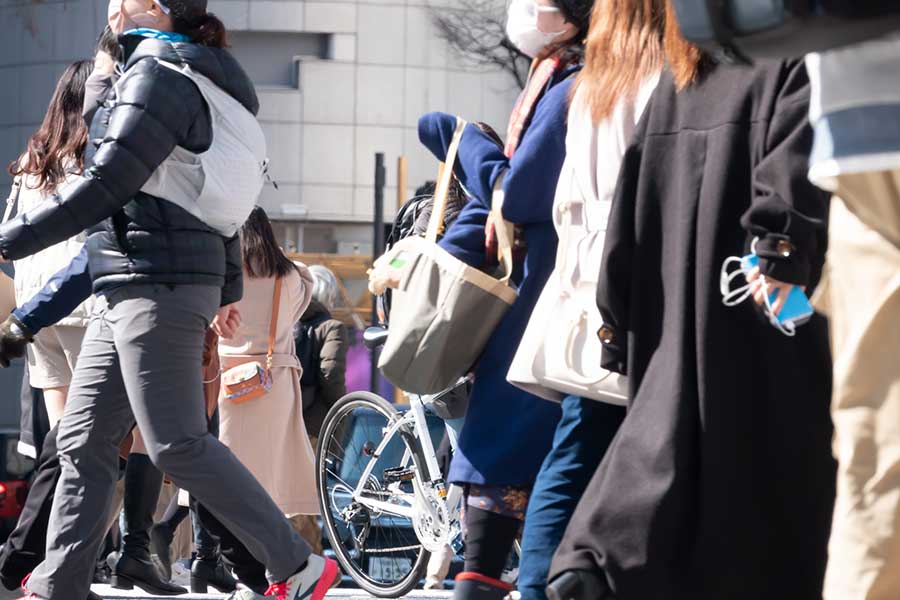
(268, 434)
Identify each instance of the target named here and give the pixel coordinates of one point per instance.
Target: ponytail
(207, 30)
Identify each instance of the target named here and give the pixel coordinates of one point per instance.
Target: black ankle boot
(579, 585)
(474, 586)
(210, 572)
(134, 568)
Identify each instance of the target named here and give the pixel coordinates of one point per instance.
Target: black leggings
(206, 546)
(489, 540)
(24, 549)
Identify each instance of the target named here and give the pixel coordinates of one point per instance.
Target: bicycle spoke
(341, 481)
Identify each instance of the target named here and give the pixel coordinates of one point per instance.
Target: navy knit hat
(577, 12)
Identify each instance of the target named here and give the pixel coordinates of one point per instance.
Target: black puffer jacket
(134, 237)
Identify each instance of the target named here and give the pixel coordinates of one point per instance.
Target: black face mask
(96, 89)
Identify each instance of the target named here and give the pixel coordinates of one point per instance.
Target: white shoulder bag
(559, 354)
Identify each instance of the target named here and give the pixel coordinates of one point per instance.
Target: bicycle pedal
(398, 474)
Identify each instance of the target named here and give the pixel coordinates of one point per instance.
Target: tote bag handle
(442, 191)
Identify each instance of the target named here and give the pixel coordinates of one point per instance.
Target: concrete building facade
(338, 80)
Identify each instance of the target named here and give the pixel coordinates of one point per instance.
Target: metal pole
(377, 250)
(402, 177)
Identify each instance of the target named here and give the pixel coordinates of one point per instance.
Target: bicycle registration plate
(389, 569)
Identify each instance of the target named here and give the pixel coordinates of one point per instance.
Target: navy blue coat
(508, 432)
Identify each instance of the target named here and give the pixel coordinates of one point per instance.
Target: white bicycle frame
(416, 419)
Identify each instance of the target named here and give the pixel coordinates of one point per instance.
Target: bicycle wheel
(377, 548)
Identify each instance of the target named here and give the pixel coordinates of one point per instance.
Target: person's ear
(152, 8)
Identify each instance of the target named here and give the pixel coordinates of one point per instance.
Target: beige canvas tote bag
(444, 311)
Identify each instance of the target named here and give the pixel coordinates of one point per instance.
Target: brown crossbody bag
(250, 381)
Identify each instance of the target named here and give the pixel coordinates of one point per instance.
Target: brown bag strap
(273, 324)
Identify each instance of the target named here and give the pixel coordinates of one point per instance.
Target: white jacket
(560, 353)
(33, 272)
(588, 181)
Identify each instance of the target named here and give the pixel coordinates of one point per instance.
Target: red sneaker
(312, 583)
(28, 596)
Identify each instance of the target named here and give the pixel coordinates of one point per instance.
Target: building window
(270, 58)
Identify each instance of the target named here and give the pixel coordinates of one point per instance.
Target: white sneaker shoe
(312, 583)
(244, 593)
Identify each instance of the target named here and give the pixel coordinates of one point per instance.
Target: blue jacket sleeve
(62, 295)
(532, 173)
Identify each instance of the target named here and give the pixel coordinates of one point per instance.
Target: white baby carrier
(222, 185)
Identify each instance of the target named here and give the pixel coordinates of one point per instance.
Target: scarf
(539, 77)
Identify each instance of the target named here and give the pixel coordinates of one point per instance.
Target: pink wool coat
(268, 434)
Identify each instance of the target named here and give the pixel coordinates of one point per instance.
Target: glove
(436, 132)
(14, 338)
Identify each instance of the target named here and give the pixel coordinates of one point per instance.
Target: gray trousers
(141, 362)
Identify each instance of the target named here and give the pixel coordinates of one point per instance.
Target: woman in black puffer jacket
(164, 270)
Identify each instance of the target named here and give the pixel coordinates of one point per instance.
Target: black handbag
(741, 31)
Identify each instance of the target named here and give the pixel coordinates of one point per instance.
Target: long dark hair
(206, 29)
(59, 143)
(259, 249)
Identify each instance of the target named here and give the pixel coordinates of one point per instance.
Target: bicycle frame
(416, 420)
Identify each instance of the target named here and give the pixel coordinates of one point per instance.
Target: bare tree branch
(476, 32)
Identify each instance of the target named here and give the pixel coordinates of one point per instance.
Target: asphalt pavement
(342, 594)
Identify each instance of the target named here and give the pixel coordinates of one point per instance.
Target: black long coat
(720, 484)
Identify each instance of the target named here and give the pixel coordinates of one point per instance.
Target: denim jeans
(583, 435)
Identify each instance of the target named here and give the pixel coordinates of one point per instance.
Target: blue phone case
(796, 309)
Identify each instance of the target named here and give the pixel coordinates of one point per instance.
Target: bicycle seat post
(375, 337)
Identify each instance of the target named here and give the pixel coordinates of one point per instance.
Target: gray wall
(37, 41)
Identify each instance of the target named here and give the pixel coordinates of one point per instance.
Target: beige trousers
(861, 295)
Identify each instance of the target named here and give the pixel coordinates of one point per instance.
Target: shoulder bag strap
(273, 324)
(13, 197)
(439, 206)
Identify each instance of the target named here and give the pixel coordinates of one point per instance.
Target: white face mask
(522, 27)
(121, 19)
